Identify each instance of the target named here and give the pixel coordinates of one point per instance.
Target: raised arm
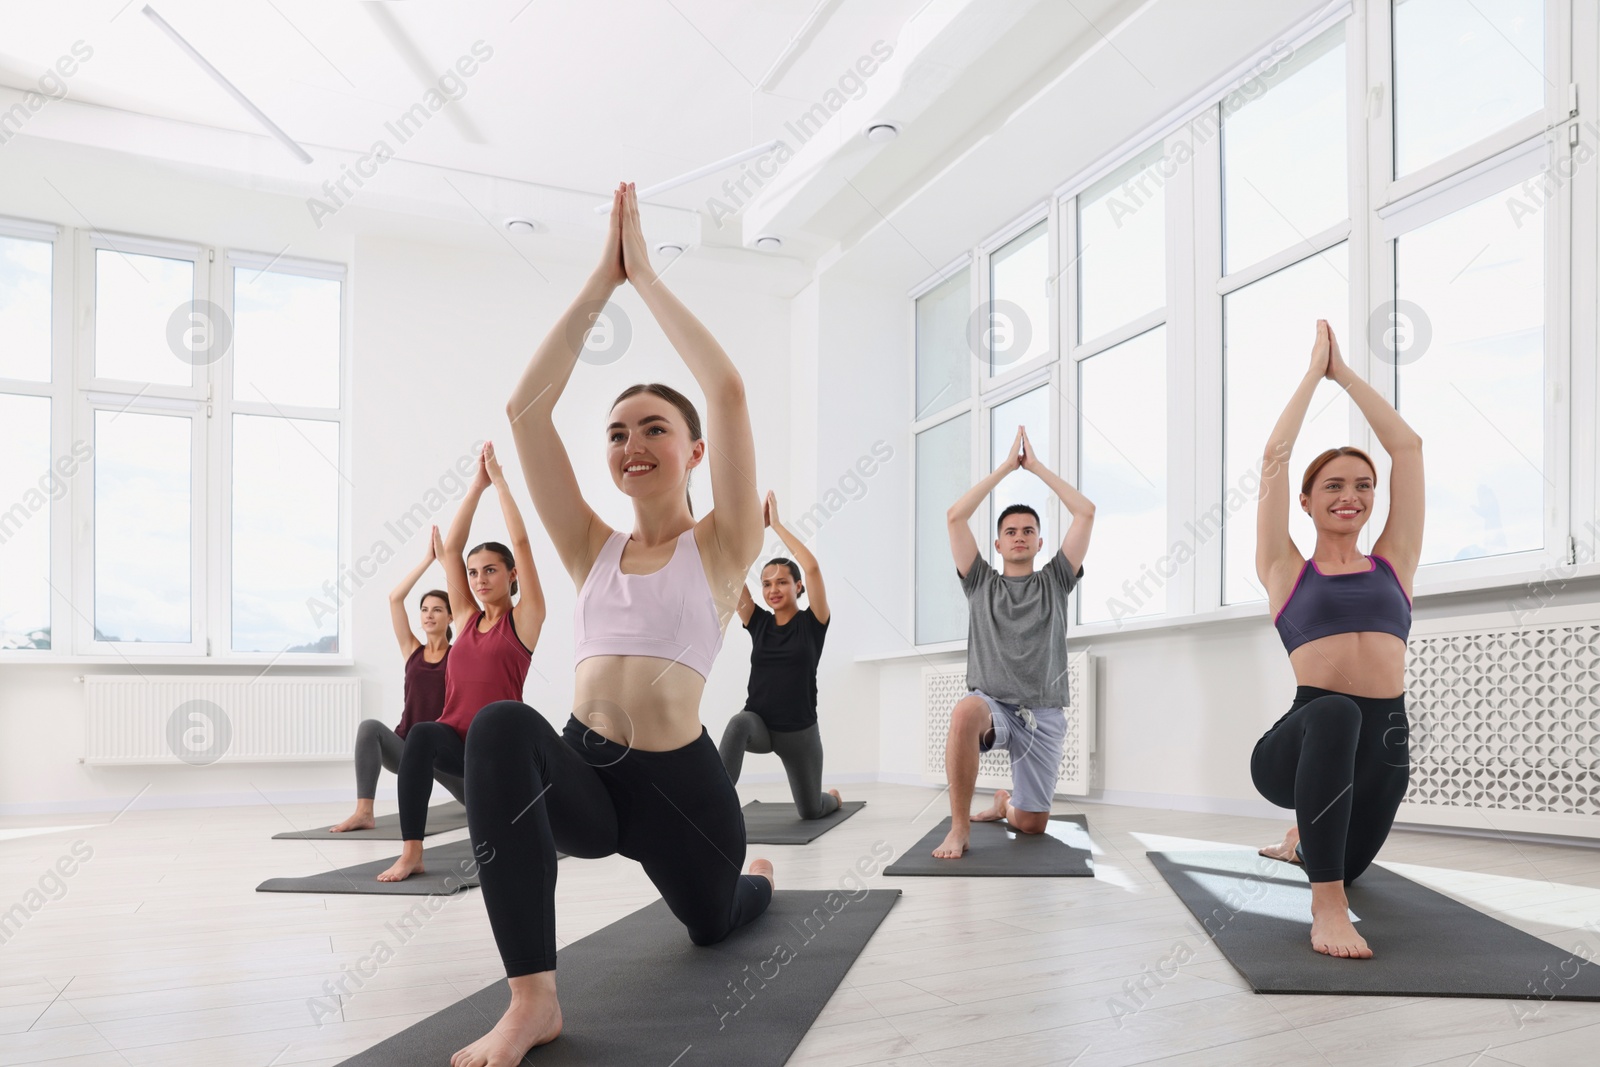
(747, 607)
(1401, 540)
(963, 546)
(397, 601)
(735, 520)
(576, 531)
(815, 589)
(529, 611)
(1075, 543)
(449, 550)
(1277, 558)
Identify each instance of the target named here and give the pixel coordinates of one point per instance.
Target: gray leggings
(800, 751)
(378, 748)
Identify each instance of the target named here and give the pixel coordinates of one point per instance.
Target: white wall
(443, 321)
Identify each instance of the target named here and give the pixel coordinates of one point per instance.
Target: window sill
(41, 659)
(1530, 590)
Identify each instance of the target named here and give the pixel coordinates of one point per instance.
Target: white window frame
(58, 390)
(222, 586)
(1196, 287)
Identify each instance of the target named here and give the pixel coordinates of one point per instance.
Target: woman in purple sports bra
(634, 772)
(1339, 757)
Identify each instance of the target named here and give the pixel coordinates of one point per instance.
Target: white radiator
(942, 687)
(1505, 722)
(201, 720)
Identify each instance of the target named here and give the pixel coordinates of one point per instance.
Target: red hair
(1329, 456)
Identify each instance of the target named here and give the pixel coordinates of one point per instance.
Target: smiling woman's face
(648, 449)
(1340, 500)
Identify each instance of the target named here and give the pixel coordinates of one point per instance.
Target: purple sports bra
(667, 614)
(1320, 604)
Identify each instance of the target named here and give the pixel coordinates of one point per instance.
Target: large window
(1121, 254)
(1122, 457)
(944, 456)
(1423, 210)
(1474, 388)
(1283, 154)
(1031, 411)
(1269, 327)
(166, 490)
(1462, 72)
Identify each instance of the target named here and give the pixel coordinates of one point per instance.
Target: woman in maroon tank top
(378, 748)
(489, 660)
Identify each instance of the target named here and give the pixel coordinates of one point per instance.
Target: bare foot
(534, 1018)
(409, 863)
(1333, 935)
(1285, 850)
(361, 820)
(996, 811)
(764, 869)
(835, 794)
(954, 843)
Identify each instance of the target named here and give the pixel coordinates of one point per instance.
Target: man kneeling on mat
(1016, 653)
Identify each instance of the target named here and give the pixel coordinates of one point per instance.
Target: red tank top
(424, 690)
(484, 668)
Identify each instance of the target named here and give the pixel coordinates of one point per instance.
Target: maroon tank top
(424, 690)
(484, 668)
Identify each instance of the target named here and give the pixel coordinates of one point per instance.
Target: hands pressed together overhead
(626, 257)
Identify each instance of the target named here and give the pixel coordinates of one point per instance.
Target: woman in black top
(780, 713)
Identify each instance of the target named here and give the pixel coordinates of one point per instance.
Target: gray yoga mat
(1424, 943)
(638, 992)
(998, 851)
(441, 819)
(781, 824)
(450, 869)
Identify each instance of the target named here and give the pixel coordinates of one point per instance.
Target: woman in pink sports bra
(634, 772)
(1340, 755)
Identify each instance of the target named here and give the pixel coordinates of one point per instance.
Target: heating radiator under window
(201, 720)
(942, 687)
(1505, 722)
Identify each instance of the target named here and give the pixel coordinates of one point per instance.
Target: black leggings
(1343, 764)
(430, 747)
(531, 792)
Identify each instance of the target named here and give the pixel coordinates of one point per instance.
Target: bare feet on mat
(1333, 935)
(836, 796)
(409, 863)
(1284, 850)
(361, 820)
(534, 1018)
(764, 869)
(954, 843)
(996, 811)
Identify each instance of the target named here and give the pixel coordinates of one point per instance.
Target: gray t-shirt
(1017, 632)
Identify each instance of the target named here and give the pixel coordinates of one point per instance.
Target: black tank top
(783, 668)
(424, 690)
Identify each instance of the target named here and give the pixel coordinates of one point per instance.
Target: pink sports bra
(667, 614)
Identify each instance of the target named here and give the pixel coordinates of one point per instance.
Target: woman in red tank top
(378, 748)
(489, 660)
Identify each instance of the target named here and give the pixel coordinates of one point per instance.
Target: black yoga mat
(998, 851)
(638, 992)
(781, 824)
(441, 819)
(450, 869)
(1424, 943)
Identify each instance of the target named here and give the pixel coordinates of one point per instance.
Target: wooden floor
(157, 950)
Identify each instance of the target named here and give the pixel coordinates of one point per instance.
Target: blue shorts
(1035, 738)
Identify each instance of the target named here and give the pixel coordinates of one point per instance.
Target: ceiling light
(669, 248)
(882, 132)
(520, 226)
(768, 242)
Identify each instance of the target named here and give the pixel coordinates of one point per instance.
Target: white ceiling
(1000, 100)
(576, 95)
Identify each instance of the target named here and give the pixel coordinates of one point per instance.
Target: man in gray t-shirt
(1016, 652)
